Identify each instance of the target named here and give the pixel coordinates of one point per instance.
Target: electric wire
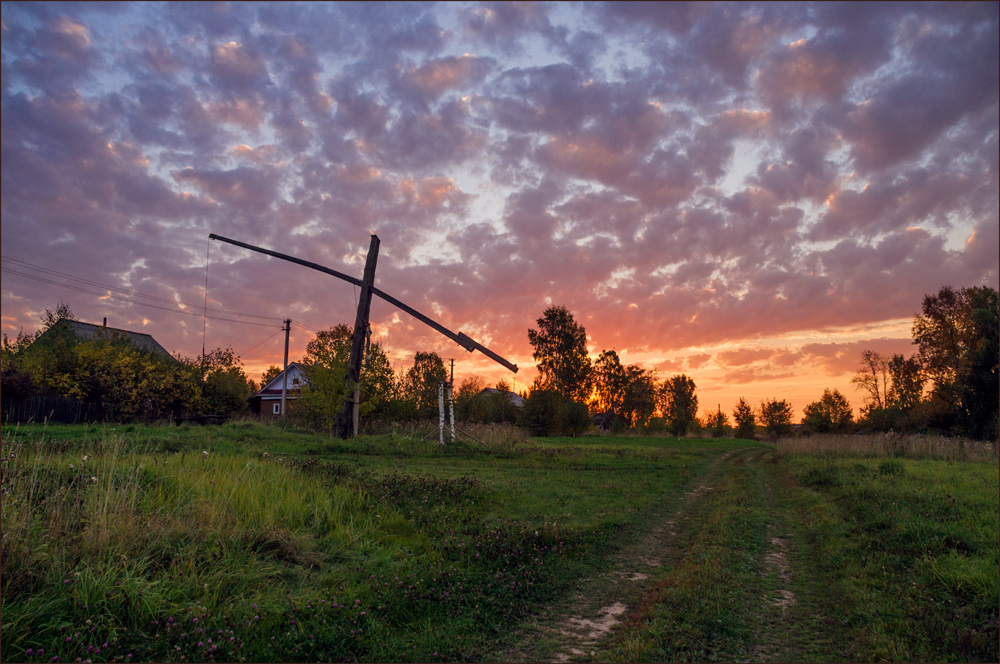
(131, 301)
(126, 291)
(261, 343)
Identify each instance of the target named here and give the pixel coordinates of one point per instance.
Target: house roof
(90, 331)
(515, 399)
(296, 380)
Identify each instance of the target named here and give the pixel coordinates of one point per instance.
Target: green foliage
(718, 423)
(270, 374)
(548, 413)
(420, 386)
(831, 414)
(561, 356)
(679, 404)
(468, 406)
(746, 420)
(776, 417)
(326, 359)
(610, 382)
(225, 387)
(958, 334)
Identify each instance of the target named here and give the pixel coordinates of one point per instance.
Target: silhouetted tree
(679, 404)
(831, 414)
(717, 423)
(746, 420)
(560, 354)
(776, 417)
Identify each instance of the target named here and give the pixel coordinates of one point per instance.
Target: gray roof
(514, 398)
(89, 331)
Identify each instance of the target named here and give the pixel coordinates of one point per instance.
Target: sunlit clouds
(747, 193)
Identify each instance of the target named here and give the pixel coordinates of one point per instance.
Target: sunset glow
(749, 194)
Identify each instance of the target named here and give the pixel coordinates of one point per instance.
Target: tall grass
(917, 446)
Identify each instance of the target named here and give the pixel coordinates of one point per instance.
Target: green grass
(913, 546)
(281, 545)
(287, 546)
(884, 559)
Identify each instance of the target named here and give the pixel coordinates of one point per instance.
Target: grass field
(248, 542)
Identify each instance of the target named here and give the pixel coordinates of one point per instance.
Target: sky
(750, 194)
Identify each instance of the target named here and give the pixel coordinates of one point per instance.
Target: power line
(261, 343)
(143, 304)
(124, 290)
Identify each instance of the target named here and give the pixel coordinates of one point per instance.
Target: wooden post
(357, 341)
(441, 412)
(451, 408)
(284, 370)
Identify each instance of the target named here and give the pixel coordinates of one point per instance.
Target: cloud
(679, 176)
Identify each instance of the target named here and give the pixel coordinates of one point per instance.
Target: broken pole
(346, 419)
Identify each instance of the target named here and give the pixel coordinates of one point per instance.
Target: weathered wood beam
(461, 338)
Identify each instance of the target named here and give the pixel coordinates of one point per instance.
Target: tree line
(123, 381)
(951, 384)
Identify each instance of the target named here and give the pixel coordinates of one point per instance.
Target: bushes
(547, 413)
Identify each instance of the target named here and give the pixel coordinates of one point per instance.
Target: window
(277, 409)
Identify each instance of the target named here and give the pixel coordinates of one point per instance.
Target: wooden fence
(48, 409)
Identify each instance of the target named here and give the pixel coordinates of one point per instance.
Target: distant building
(90, 332)
(267, 402)
(515, 399)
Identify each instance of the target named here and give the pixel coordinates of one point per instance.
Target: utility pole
(351, 391)
(452, 379)
(284, 370)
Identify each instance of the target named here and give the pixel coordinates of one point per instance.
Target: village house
(90, 331)
(267, 402)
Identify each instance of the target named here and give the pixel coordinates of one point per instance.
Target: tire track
(624, 589)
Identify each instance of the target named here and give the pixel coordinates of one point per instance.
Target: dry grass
(494, 436)
(891, 444)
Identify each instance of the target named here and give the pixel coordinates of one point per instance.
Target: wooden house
(267, 402)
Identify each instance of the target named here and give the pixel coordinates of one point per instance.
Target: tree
(872, 377)
(560, 354)
(609, 382)
(225, 387)
(50, 318)
(717, 423)
(269, 375)
(548, 413)
(831, 414)
(679, 404)
(907, 382)
(326, 358)
(746, 420)
(330, 347)
(469, 407)
(979, 378)
(639, 399)
(421, 385)
(957, 336)
(776, 417)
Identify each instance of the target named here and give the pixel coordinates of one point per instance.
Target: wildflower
(29, 651)
(93, 479)
(85, 457)
(71, 466)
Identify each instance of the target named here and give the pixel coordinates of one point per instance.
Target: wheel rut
(577, 629)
